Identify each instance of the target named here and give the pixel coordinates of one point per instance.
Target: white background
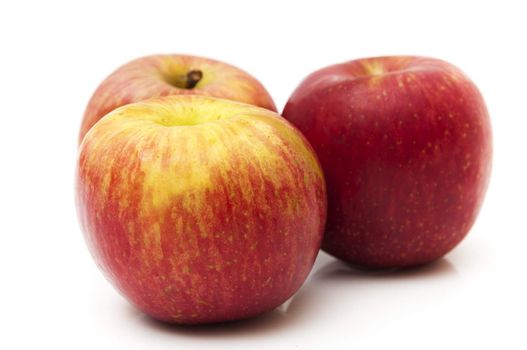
(52, 57)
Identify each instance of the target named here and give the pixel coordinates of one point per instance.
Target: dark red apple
(405, 144)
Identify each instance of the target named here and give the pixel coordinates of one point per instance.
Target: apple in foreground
(199, 209)
(164, 75)
(405, 144)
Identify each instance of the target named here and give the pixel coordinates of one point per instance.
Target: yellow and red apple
(405, 144)
(200, 209)
(164, 75)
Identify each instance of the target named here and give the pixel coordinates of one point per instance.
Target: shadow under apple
(338, 269)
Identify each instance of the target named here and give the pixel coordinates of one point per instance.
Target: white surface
(54, 55)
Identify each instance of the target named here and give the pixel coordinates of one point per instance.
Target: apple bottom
(399, 248)
(215, 283)
(162, 301)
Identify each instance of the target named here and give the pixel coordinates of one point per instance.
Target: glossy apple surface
(164, 75)
(405, 144)
(199, 209)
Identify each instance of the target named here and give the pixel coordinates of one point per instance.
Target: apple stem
(193, 77)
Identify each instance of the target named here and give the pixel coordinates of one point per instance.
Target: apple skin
(198, 209)
(405, 144)
(164, 75)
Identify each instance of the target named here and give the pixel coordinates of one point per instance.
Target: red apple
(200, 209)
(405, 144)
(163, 75)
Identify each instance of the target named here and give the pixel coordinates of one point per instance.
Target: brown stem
(193, 77)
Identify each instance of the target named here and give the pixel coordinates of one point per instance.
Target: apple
(200, 209)
(405, 144)
(163, 75)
